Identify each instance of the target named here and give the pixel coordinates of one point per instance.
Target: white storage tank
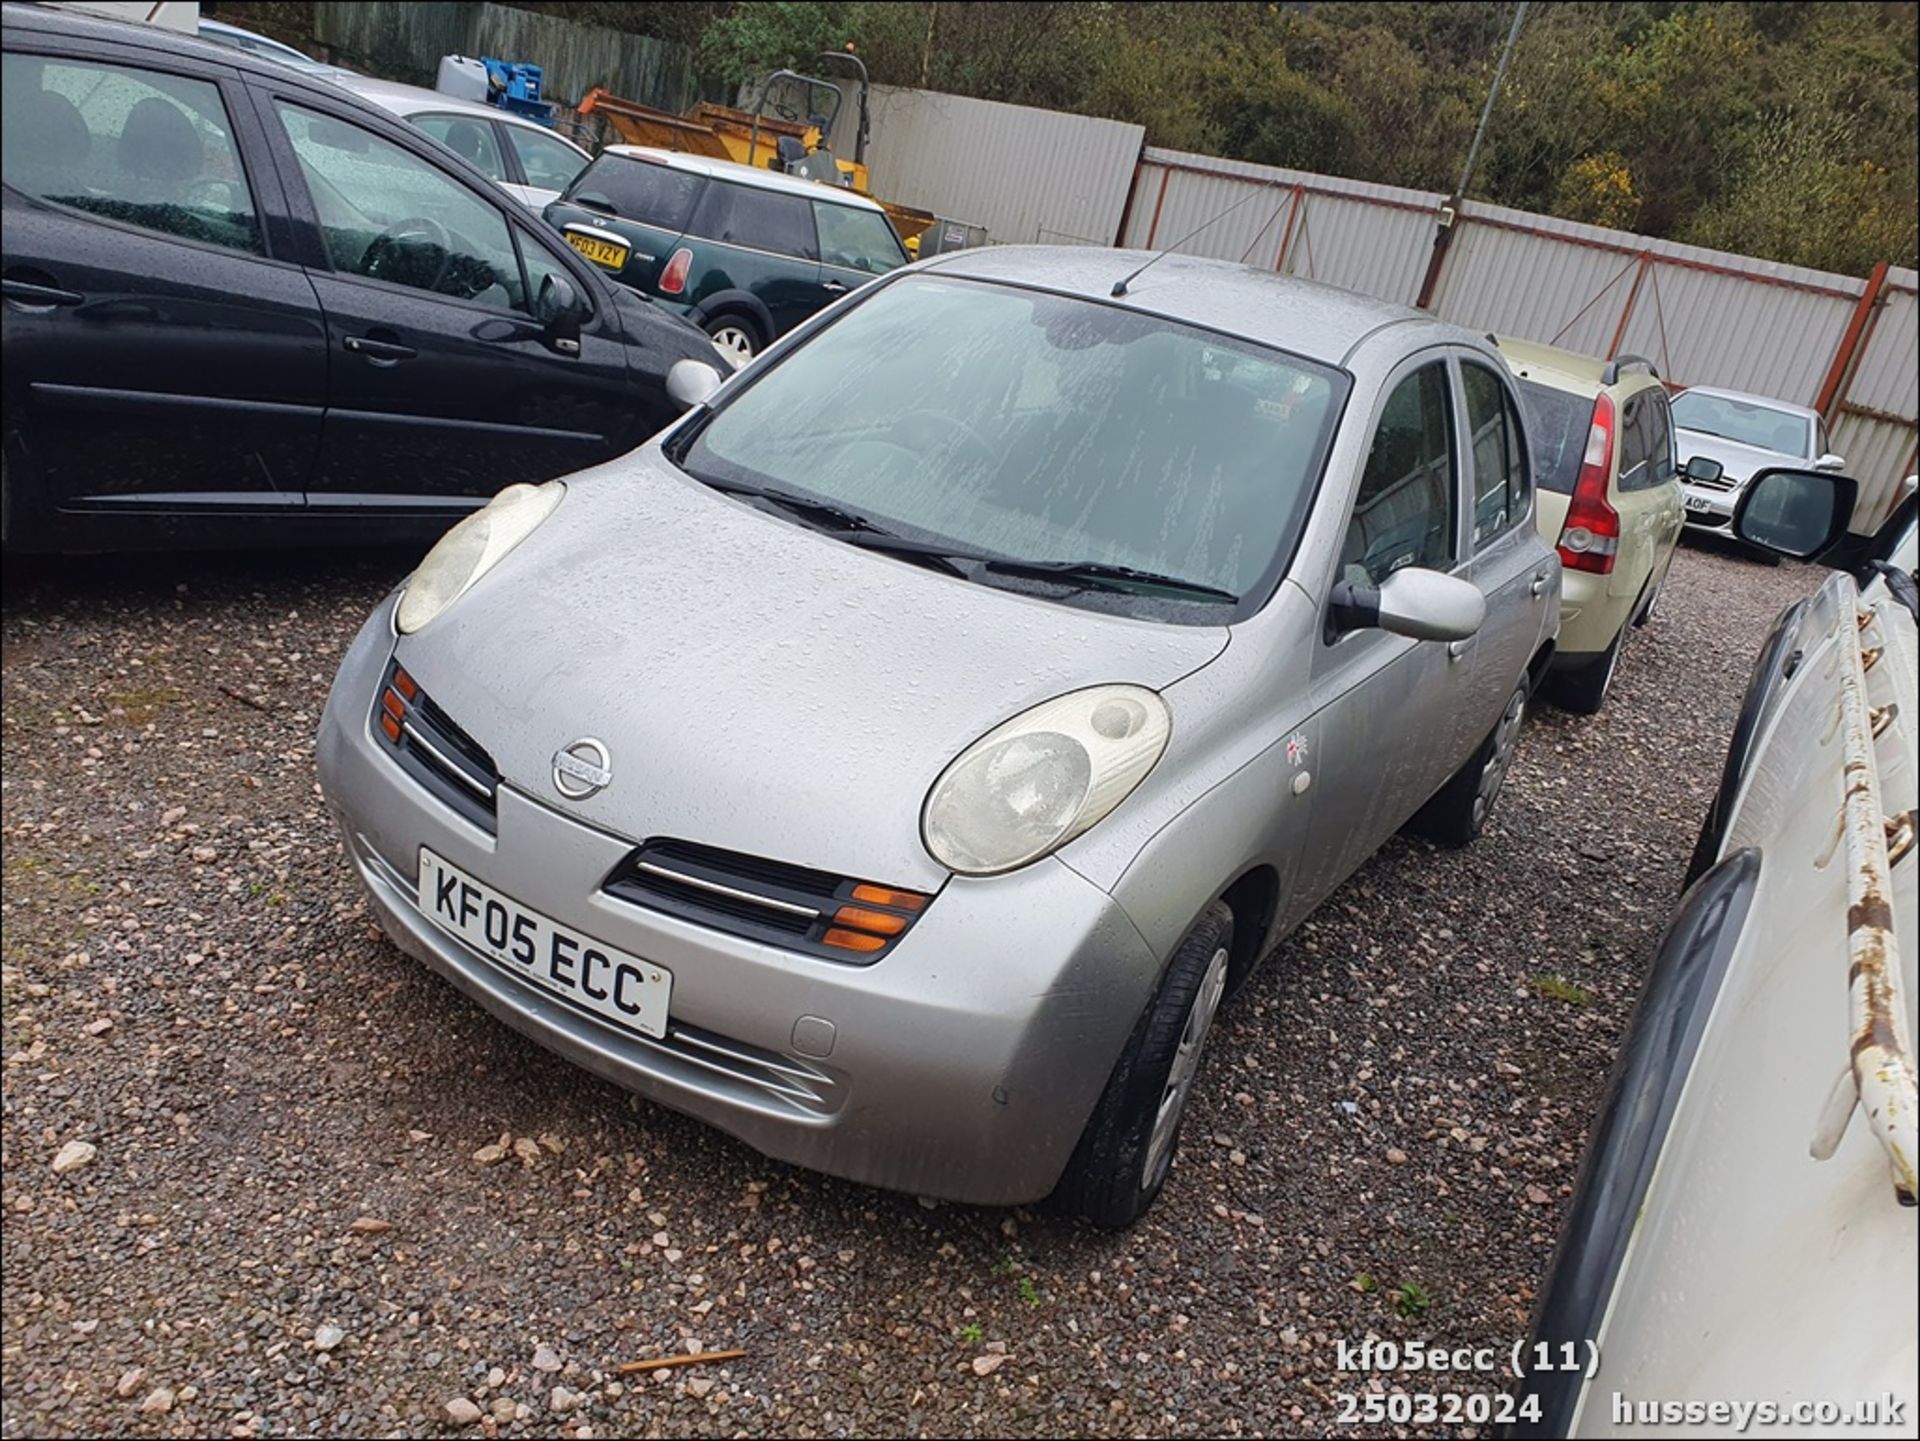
(462, 77)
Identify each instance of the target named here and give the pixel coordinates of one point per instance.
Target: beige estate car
(1609, 496)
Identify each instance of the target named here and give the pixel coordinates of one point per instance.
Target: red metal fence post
(1280, 260)
(1851, 342)
(1626, 312)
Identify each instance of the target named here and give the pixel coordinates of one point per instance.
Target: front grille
(427, 744)
(815, 912)
(1723, 483)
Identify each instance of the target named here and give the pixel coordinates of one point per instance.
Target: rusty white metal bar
(1882, 1064)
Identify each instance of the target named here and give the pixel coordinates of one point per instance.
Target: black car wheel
(1459, 810)
(1128, 1146)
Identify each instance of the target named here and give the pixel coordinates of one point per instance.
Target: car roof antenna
(1120, 286)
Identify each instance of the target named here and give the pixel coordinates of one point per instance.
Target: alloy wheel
(735, 339)
(1506, 740)
(1186, 1064)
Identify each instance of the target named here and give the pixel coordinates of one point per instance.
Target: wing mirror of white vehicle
(1800, 513)
(1701, 470)
(1830, 461)
(691, 382)
(1423, 604)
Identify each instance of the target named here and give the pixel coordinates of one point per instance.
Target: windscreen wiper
(1087, 574)
(1103, 576)
(823, 512)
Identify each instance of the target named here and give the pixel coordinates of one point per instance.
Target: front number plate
(1699, 503)
(628, 991)
(600, 252)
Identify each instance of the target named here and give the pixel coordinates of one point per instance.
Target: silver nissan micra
(896, 761)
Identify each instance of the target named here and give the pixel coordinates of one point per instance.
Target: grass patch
(1559, 988)
(1411, 1300)
(142, 706)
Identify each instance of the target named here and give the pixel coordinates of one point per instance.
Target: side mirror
(1422, 604)
(1830, 461)
(691, 382)
(558, 309)
(1701, 470)
(1800, 513)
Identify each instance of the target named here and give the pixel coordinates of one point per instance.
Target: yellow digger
(796, 143)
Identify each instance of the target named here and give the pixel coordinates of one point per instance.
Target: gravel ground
(282, 1228)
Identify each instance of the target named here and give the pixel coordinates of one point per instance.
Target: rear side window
(550, 164)
(1494, 440)
(857, 239)
(1404, 513)
(1557, 426)
(757, 219)
(1653, 446)
(637, 190)
(469, 138)
(1636, 449)
(133, 145)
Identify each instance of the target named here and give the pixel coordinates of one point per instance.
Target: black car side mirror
(1702, 470)
(1801, 513)
(558, 309)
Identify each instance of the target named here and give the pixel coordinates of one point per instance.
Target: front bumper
(961, 1065)
(1707, 508)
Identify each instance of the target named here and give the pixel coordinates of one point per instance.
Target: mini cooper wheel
(735, 333)
(1459, 811)
(1127, 1149)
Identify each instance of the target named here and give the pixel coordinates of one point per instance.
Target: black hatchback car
(241, 306)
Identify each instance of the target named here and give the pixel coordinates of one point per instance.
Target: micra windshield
(1119, 461)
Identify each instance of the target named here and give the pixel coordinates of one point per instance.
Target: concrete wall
(1027, 175)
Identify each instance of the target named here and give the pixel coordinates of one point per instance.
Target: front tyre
(1459, 810)
(1127, 1149)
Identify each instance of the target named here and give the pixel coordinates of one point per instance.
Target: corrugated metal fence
(1842, 344)
(406, 38)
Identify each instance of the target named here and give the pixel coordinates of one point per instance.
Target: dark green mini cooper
(745, 254)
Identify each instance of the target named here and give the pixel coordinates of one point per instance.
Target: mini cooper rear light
(774, 902)
(673, 279)
(1591, 537)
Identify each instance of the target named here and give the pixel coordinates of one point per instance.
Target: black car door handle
(834, 287)
(379, 351)
(26, 293)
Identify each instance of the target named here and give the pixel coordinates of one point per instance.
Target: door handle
(28, 296)
(834, 287)
(1457, 649)
(380, 352)
(1539, 586)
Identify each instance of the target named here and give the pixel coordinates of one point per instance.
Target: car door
(1646, 495)
(856, 244)
(1386, 706)
(443, 387)
(1509, 562)
(163, 352)
(760, 243)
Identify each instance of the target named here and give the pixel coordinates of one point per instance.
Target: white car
(523, 157)
(265, 48)
(1739, 1255)
(1743, 434)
